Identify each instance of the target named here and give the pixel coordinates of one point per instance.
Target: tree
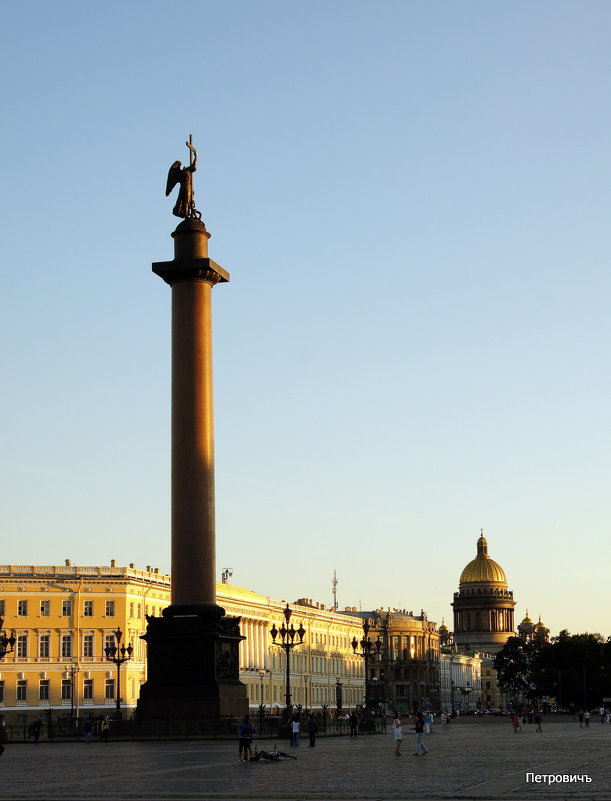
(574, 668)
(513, 665)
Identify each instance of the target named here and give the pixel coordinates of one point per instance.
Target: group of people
(247, 730)
(584, 716)
(423, 723)
(533, 716)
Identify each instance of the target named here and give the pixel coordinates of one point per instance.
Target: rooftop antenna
(334, 585)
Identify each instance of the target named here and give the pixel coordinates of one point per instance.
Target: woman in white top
(295, 734)
(398, 735)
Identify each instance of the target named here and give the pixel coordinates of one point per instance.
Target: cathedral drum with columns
(483, 606)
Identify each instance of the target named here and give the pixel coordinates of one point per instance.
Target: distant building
(492, 695)
(460, 681)
(483, 622)
(529, 631)
(404, 674)
(483, 606)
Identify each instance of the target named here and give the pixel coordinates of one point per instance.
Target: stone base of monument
(192, 667)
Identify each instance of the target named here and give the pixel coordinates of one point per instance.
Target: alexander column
(192, 660)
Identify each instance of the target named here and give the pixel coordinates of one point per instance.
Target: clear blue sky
(413, 202)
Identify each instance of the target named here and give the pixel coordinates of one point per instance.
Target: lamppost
(465, 692)
(324, 714)
(376, 703)
(306, 679)
(7, 644)
(453, 688)
(383, 686)
(288, 643)
(72, 669)
(338, 694)
(367, 649)
(118, 654)
(262, 672)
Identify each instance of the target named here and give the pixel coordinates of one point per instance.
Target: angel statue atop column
(185, 205)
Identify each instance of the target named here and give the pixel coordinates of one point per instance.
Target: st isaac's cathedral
(483, 606)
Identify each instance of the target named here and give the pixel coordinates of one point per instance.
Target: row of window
(45, 608)
(318, 665)
(66, 690)
(135, 610)
(65, 645)
(313, 694)
(333, 640)
(316, 695)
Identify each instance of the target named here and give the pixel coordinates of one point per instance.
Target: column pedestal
(193, 668)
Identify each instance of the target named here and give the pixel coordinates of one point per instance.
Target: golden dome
(526, 627)
(443, 626)
(483, 569)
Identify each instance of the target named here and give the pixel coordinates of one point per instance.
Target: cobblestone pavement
(472, 759)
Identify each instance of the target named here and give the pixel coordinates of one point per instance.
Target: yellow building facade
(64, 616)
(323, 670)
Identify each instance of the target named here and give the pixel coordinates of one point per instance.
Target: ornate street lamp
(368, 648)
(118, 654)
(7, 644)
(288, 643)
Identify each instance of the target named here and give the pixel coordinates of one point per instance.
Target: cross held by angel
(185, 205)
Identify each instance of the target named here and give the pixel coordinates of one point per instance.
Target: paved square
(472, 759)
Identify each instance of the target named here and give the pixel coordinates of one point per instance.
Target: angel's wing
(173, 177)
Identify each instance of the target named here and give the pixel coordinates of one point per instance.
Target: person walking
(3, 735)
(105, 730)
(538, 720)
(515, 719)
(354, 724)
(428, 722)
(87, 729)
(586, 717)
(397, 733)
(580, 716)
(312, 729)
(444, 719)
(419, 729)
(295, 733)
(245, 739)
